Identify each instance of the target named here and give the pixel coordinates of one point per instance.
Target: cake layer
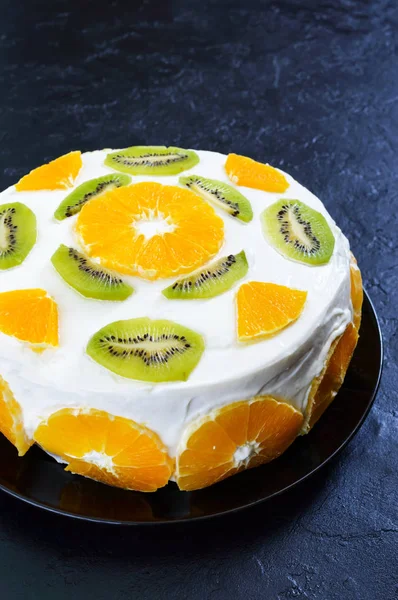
(282, 366)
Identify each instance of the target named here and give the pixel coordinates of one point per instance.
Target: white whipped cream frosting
(283, 366)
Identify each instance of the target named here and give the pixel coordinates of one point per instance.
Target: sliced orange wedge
(264, 309)
(250, 173)
(325, 387)
(356, 291)
(29, 315)
(150, 230)
(11, 421)
(233, 438)
(59, 174)
(112, 450)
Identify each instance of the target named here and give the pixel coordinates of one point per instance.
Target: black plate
(39, 480)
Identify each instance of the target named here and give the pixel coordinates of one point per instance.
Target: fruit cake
(169, 314)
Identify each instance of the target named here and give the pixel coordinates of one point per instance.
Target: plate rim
(195, 519)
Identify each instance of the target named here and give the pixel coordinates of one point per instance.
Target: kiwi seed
(87, 277)
(18, 234)
(210, 281)
(221, 194)
(298, 232)
(74, 202)
(147, 350)
(152, 160)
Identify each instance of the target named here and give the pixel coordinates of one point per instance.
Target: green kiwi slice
(147, 350)
(74, 202)
(210, 281)
(223, 195)
(18, 234)
(152, 160)
(298, 232)
(87, 277)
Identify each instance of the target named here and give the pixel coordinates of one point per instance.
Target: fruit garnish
(59, 174)
(11, 420)
(212, 280)
(87, 277)
(150, 230)
(298, 232)
(233, 438)
(30, 315)
(264, 309)
(152, 160)
(356, 292)
(88, 190)
(250, 173)
(221, 194)
(17, 234)
(325, 387)
(147, 350)
(107, 448)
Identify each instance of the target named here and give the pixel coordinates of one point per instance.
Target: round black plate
(39, 480)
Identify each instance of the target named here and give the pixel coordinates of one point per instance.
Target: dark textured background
(308, 86)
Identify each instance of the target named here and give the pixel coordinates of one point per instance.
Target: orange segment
(356, 291)
(87, 469)
(109, 449)
(266, 308)
(59, 174)
(29, 315)
(342, 354)
(324, 388)
(333, 376)
(235, 437)
(250, 173)
(11, 420)
(150, 230)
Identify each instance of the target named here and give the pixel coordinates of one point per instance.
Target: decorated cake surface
(146, 290)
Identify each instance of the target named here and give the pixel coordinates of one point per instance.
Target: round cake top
(260, 318)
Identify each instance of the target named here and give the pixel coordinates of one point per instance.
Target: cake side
(325, 387)
(271, 424)
(282, 367)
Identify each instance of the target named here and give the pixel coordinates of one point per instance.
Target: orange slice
(250, 173)
(112, 450)
(333, 376)
(29, 315)
(150, 230)
(59, 174)
(325, 387)
(11, 421)
(356, 291)
(266, 308)
(236, 437)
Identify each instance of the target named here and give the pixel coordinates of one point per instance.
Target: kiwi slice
(18, 234)
(147, 350)
(209, 281)
(88, 190)
(298, 232)
(87, 277)
(152, 160)
(221, 194)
